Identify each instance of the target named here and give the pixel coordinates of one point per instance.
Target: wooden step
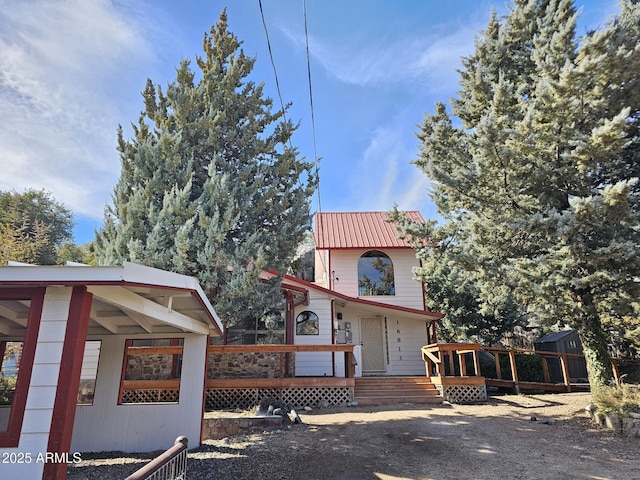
(386, 390)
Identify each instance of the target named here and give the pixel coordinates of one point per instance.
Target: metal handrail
(170, 465)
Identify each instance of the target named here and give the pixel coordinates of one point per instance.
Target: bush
(621, 399)
(529, 368)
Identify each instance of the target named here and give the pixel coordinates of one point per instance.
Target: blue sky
(72, 70)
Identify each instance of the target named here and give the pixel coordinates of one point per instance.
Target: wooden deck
(537, 386)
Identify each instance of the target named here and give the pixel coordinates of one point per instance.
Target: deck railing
(171, 465)
(448, 363)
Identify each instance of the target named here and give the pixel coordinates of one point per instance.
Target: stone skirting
(216, 426)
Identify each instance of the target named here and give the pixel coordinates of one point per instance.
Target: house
(92, 343)
(378, 305)
(364, 312)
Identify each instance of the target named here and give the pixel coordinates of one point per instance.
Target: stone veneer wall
(216, 428)
(149, 367)
(248, 365)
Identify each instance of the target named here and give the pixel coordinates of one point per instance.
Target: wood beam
(20, 319)
(140, 319)
(143, 308)
(5, 330)
(106, 324)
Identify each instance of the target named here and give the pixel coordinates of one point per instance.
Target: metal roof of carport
(128, 299)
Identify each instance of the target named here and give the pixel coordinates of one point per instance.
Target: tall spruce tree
(210, 185)
(537, 179)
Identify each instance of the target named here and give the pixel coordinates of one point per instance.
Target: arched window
(375, 274)
(307, 323)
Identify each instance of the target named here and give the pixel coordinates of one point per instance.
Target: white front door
(372, 341)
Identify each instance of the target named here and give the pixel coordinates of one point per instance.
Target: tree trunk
(594, 343)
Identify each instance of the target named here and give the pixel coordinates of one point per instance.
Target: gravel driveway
(496, 440)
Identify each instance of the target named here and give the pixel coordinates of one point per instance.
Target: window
(89, 372)
(269, 329)
(151, 371)
(375, 274)
(20, 312)
(307, 323)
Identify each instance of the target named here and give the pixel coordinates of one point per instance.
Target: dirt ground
(496, 440)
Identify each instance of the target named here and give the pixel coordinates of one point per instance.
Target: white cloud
(60, 64)
(407, 57)
(384, 176)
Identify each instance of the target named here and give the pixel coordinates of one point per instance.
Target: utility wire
(316, 160)
(273, 64)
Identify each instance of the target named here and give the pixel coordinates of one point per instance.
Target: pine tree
(537, 179)
(32, 227)
(210, 185)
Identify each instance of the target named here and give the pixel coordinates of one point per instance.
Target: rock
(634, 415)
(323, 404)
(613, 421)
(533, 418)
(353, 404)
(446, 403)
(548, 421)
(307, 408)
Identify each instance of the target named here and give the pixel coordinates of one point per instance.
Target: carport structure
(132, 316)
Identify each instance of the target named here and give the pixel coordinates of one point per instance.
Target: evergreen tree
(32, 226)
(210, 185)
(537, 179)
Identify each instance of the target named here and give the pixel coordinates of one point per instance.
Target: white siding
(406, 339)
(106, 426)
(315, 364)
(403, 348)
(34, 436)
(408, 291)
(90, 360)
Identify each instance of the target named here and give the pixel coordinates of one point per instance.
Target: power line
(273, 64)
(316, 160)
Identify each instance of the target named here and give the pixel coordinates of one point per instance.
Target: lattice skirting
(463, 393)
(246, 398)
(150, 396)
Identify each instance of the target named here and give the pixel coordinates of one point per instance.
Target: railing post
(463, 364)
(545, 369)
(514, 371)
(452, 365)
(428, 365)
(476, 363)
(498, 369)
(440, 366)
(565, 371)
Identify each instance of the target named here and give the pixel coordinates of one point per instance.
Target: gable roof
(555, 336)
(126, 298)
(343, 230)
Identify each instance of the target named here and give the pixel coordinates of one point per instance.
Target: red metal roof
(341, 230)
